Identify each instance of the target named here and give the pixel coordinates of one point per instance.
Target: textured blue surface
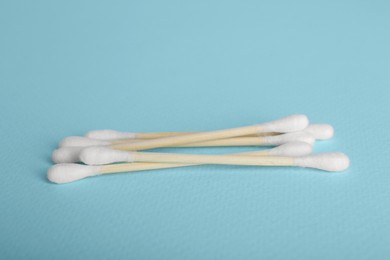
(71, 66)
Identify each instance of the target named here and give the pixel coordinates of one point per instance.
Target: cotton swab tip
(108, 134)
(81, 141)
(68, 172)
(332, 162)
(320, 131)
(292, 149)
(103, 155)
(66, 154)
(291, 123)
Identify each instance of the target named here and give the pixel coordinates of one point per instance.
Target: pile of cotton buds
(110, 151)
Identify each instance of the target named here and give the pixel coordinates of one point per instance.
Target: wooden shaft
(212, 159)
(153, 135)
(189, 138)
(236, 141)
(142, 166)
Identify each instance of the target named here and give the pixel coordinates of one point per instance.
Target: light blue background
(72, 66)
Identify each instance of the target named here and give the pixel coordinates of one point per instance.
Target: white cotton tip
(291, 123)
(108, 134)
(68, 172)
(81, 141)
(103, 155)
(67, 154)
(300, 136)
(320, 131)
(332, 162)
(292, 149)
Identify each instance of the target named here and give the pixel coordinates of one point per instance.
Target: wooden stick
(319, 131)
(102, 155)
(142, 166)
(292, 149)
(128, 144)
(68, 172)
(185, 139)
(134, 140)
(120, 137)
(236, 141)
(334, 161)
(288, 124)
(69, 153)
(207, 159)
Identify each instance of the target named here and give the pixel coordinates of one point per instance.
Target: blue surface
(71, 66)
